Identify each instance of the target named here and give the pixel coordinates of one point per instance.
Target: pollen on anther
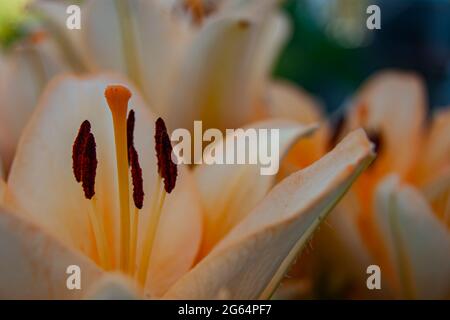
(130, 132)
(78, 149)
(136, 175)
(89, 167)
(167, 169)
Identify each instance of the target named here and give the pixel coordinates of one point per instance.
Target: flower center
(84, 159)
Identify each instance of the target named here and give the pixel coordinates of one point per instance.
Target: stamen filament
(99, 235)
(134, 237)
(150, 234)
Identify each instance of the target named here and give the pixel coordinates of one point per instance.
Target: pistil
(117, 97)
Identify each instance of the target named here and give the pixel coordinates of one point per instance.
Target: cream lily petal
(418, 243)
(211, 85)
(69, 41)
(229, 192)
(113, 287)
(2, 182)
(286, 100)
(392, 105)
(272, 36)
(42, 183)
(25, 72)
(436, 157)
(144, 47)
(252, 259)
(33, 264)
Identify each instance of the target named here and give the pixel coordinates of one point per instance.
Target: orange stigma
(117, 97)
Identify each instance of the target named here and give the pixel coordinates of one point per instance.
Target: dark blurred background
(331, 51)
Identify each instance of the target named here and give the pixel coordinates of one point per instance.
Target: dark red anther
(78, 149)
(166, 168)
(136, 175)
(130, 129)
(89, 169)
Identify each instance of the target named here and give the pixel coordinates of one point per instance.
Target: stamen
(130, 131)
(166, 168)
(136, 174)
(84, 156)
(78, 149)
(117, 97)
(168, 171)
(89, 167)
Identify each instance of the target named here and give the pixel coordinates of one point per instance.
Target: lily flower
(397, 213)
(25, 70)
(70, 201)
(191, 59)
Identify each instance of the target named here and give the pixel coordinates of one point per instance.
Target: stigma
(117, 97)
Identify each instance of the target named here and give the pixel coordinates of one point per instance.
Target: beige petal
(139, 39)
(392, 105)
(229, 192)
(54, 17)
(437, 194)
(252, 259)
(436, 155)
(285, 100)
(113, 287)
(215, 74)
(25, 72)
(33, 264)
(229, 57)
(418, 243)
(42, 184)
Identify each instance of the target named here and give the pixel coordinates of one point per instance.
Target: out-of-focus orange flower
(397, 213)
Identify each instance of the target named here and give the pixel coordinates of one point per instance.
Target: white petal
(139, 39)
(25, 72)
(418, 243)
(229, 192)
(252, 259)
(33, 264)
(113, 287)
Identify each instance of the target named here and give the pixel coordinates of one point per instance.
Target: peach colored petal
(418, 243)
(392, 105)
(138, 38)
(33, 264)
(435, 158)
(113, 287)
(288, 101)
(252, 259)
(229, 192)
(25, 72)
